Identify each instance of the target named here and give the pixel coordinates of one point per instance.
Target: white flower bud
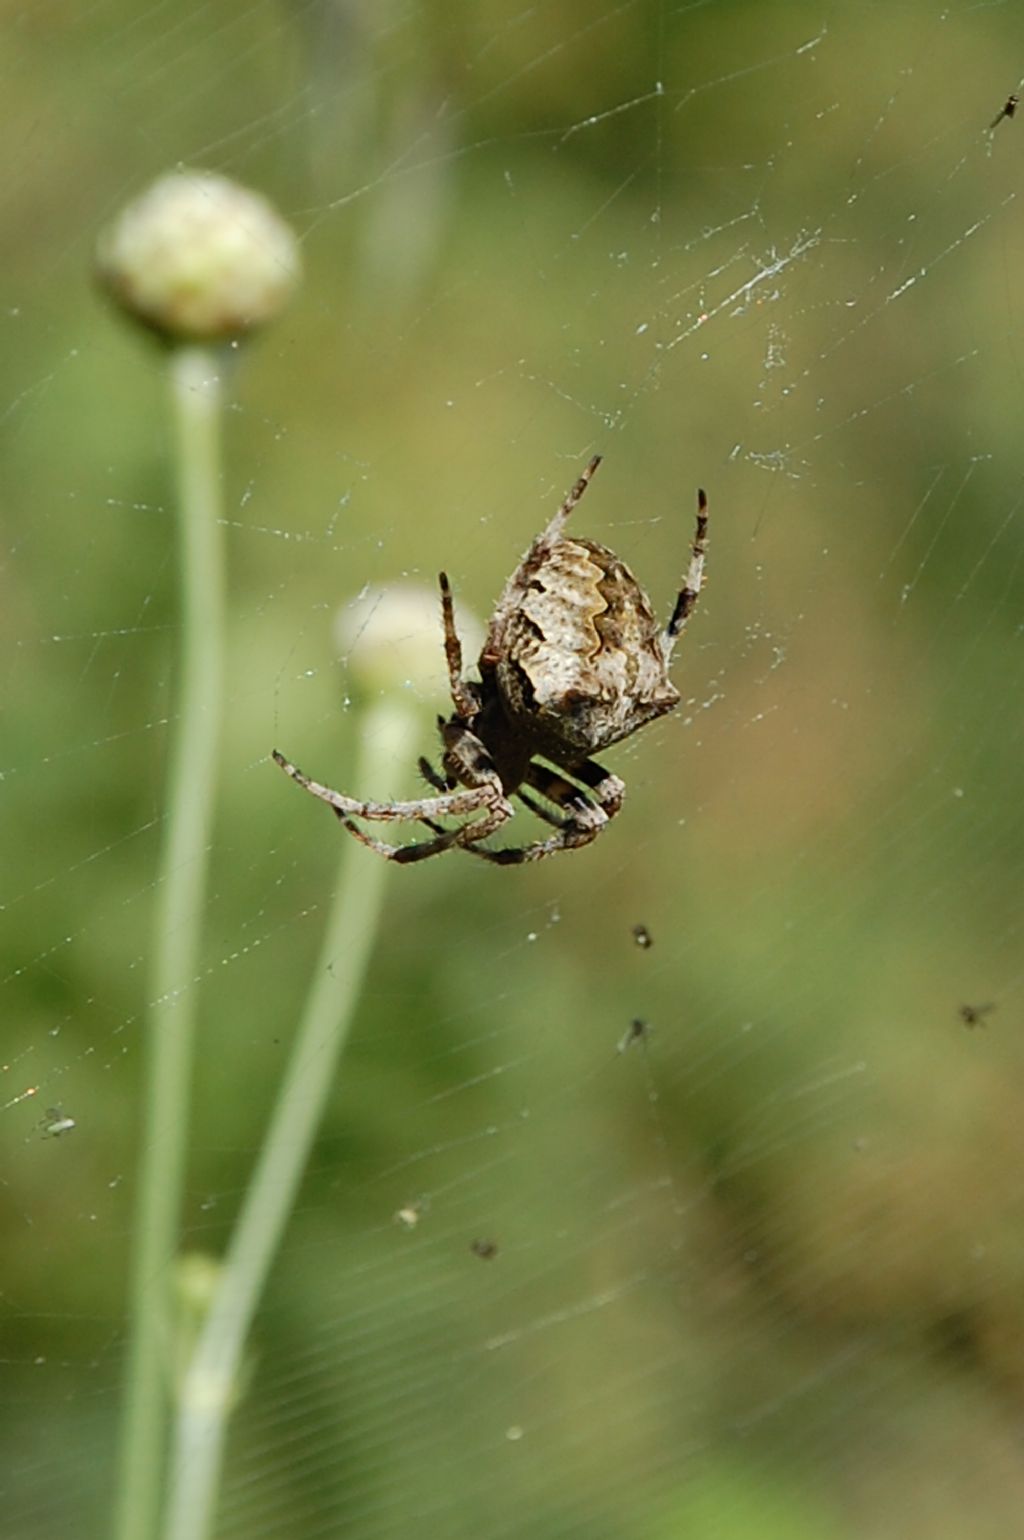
(392, 639)
(197, 258)
(196, 1279)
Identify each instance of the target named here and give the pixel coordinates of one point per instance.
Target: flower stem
(210, 1383)
(197, 400)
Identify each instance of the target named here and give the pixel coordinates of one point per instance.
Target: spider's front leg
(450, 803)
(466, 760)
(479, 791)
(431, 776)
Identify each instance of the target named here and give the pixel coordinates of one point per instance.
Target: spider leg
(476, 831)
(463, 837)
(537, 807)
(512, 597)
(607, 788)
(686, 602)
(480, 793)
(464, 696)
(432, 776)
(585, 820)
(483, 794)
(402, 853)
(498, 813)
(554, 529)
(471, 764)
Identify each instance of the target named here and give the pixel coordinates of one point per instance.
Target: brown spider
(573, 662)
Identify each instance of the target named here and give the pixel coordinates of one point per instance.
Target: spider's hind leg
(558, 523)
(686, 602)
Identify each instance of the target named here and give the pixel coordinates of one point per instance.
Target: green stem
(195, 382)
(211, 1380)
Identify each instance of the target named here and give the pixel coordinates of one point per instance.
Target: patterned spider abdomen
(577, 651)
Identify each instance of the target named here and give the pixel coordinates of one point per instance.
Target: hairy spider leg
(686, 603)
(484, 793)
(585, 819)
(431, 776)
(436, 779)
(464, 696)
(453, 802)
(533, 803)
(560, 791)
(445, 840)
(607, 788)
(463, 837)
(536, 806)
(554, 529)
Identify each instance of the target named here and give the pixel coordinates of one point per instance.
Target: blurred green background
(763, 1274)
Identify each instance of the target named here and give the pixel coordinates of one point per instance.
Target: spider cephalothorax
(573, 662)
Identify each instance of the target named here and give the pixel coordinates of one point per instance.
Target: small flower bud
(197, 1277)
(197, 258)
(392, 639)
(197, 1280)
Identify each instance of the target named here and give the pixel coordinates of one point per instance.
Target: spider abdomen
(580, 660)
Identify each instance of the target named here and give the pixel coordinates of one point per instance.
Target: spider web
(719, 1235)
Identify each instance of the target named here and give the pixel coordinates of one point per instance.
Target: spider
(573, 662)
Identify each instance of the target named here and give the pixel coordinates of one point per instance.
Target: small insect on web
(573, 662)
(55, 1123)
(974, 1015)
(1007, 110)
